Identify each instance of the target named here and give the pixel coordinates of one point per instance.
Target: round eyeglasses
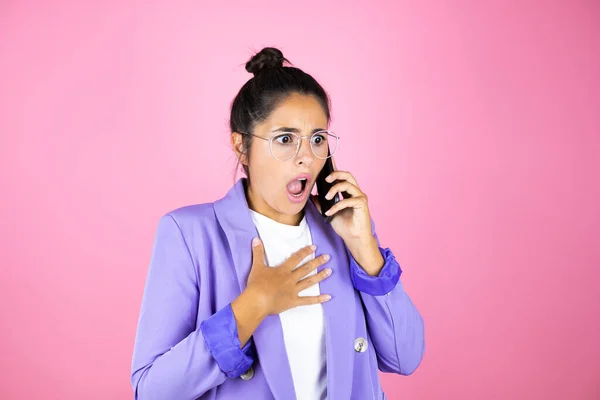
(285, 145)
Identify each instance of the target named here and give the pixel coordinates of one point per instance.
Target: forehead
(298, 111)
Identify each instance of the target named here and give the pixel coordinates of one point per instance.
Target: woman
(226, 315)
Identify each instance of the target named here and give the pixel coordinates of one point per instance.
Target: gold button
(360, 345)
(249, 374)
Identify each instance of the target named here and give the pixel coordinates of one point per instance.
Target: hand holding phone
(323, 188)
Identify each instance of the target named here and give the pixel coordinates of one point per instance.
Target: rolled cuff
(221, 337)
(381, 284)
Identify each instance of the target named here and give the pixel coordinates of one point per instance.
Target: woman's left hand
(352, 221)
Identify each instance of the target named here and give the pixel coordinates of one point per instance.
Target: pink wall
(473, 128)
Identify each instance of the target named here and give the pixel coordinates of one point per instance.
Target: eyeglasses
(286, 145)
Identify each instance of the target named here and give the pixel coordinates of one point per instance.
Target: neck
(257, 203)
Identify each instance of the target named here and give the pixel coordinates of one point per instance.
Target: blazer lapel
(235, 219)
(340, 311)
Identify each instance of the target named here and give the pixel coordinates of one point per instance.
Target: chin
(293, 208)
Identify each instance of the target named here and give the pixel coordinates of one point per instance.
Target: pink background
(472, 127)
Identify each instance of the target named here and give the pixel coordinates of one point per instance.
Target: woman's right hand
(276, 289)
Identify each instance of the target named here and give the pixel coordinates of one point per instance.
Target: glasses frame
(270, 140)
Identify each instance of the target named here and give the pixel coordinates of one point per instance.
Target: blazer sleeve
(172, 357)
(394, 324)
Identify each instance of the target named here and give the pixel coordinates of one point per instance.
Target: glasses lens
(320, 142)
(284, 146)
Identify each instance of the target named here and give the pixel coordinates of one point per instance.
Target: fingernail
(313, 247)
(328, 196)
(329, 178)
(328, 271)
(328, 212)
(326, 257)
(327, 297)
(255, 242)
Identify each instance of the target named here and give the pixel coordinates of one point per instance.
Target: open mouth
(297, 187)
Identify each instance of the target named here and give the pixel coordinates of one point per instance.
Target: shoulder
(191, 226)
(189, 218)
(192, 213)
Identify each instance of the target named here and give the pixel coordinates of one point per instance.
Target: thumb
(258, 253)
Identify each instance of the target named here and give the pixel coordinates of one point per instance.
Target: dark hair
(271, 84)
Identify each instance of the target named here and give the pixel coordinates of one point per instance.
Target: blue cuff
(378, 285)
(221, 337)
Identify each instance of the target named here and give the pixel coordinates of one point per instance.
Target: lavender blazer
(200, 263)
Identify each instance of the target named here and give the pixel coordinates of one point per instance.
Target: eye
(285, 138)
(319, 139)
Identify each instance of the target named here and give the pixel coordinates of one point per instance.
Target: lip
(308, 178)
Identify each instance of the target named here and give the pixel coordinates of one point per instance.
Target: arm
(394, 323)
(173, 358)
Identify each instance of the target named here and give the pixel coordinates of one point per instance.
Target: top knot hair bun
(267, 58)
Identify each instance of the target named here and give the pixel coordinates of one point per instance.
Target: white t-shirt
(304, 326)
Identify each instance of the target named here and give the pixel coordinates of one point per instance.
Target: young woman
(311, 310)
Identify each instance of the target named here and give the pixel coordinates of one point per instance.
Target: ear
(238, 147)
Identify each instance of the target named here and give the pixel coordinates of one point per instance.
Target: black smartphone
(323, 187)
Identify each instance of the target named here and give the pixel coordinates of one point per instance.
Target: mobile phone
(323, 187)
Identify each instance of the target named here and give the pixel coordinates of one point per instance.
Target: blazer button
(249, 374)
(360, 345)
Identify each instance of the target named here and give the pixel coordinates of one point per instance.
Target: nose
(305, 155)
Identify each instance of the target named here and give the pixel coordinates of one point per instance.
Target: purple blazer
(186, 344)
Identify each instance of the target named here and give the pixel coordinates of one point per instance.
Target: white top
(304, 326)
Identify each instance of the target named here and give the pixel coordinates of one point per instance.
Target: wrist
(366, 254)
(256, 301)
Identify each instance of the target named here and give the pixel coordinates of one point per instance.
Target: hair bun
(269, 57)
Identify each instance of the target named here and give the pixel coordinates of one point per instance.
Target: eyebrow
(295, 130)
